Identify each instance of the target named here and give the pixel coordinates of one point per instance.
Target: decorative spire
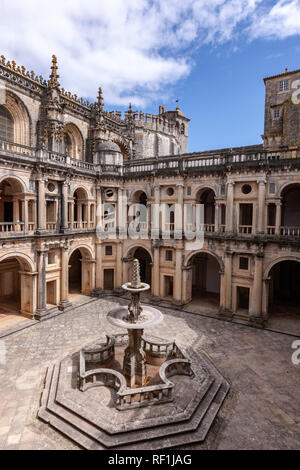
(100, 100)
(53, 82)
(130, 109)
(136, 279)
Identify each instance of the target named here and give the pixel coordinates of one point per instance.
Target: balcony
(245, 229)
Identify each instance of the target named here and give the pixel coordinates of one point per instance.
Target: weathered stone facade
(61, 158)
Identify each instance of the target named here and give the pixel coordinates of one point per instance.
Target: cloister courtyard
(260, 412)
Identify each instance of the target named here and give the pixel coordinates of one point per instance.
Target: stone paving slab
(261, 412)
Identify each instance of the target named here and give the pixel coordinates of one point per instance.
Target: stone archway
(17, 286)
(203, 281)
(81, 272)
(145, 260)
(284, 287)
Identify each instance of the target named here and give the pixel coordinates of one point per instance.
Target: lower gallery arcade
(254, 286)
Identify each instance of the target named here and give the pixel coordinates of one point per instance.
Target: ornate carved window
(6, 125)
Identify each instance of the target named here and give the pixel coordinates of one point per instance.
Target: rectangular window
(244, 263)
(51, 257)
(223, 190)
(188, 190)
(108, 250)
(283, 85)
(272, 188)
(169, 255)
(276, 113)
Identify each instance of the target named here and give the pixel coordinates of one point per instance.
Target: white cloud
(281, 21)
(135, 49)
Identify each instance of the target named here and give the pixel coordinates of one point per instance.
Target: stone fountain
(118, 393)
(135, 319)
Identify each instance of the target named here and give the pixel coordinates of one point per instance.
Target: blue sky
(211, 55)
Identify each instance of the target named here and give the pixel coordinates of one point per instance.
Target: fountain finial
(136, 278)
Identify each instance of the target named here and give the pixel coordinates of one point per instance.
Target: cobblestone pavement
(261, 412)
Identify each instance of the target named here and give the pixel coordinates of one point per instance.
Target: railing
(290, 231)
(82, 165)
(11, 227)
(51, 226)
(208, 228)
(271, 230)
(222, 228)
(247, 229)
(12, 147)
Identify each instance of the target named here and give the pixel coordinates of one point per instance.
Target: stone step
(90, 436)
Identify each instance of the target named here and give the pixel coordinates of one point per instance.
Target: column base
(155, 299)
(41, 313)
(258, 321)
(64, 304)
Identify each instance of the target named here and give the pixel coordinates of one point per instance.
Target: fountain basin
(150, 316)
(143, 287)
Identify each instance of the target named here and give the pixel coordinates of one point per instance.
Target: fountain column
(134, 365)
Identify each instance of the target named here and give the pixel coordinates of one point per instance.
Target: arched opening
(206, 197)
(123, 148)
(80, 208)
(16, 290)
(12, 206)
(14, 121)
(6, 125)
(81, 273)
(290, 212)
(284, 288)
(73, 142)
(145, 261)
(140, 197)
(75, 273)
(206, 282)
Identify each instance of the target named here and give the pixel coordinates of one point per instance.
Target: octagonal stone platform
(91, 420)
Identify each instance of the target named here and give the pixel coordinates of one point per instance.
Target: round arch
(279, 260)
(25, 261)
(21, 119)
(74, 142)
(189, 257)
(123, 147)
(203, 281)
(202, 188)
(135, 247)
(145, 259)
(285, 186)
(17, 183)
(85, 250)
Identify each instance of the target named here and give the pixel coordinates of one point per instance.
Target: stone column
(25, 214)
(41, 206)
(256, 297)
(217, 216)
(99, 207)
(64, 279)
(178, 276)
(155, 272)
(121, 215)
(99, 269)
(179, 213)
(261, 206)
(119, 265)
(64, 204)
(278, 217)
(41, 300)
(229, 207)
(228, 280)
(156, 213)
(72, 215)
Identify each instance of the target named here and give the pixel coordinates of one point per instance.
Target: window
(108, 250)
(246, 189)
(188, 190)
(223, 190)
(169, 255)
(244, 263)
(6, 125)
(170, 191)
(272, 188)
(283, 85)
(276, 113)
(182, 129)
(51, 257)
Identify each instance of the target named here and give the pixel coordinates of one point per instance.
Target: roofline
(284, 74)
